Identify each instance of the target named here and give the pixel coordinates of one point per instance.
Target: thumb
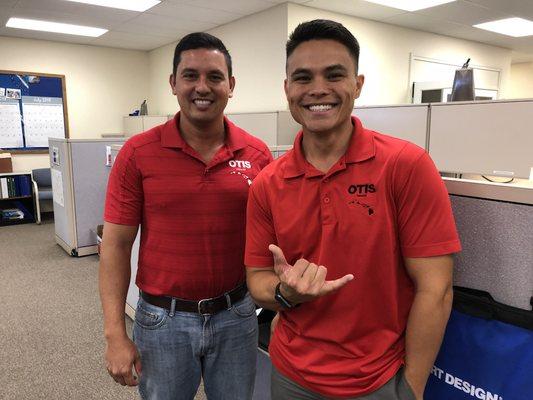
(137, 364)
(280, 262)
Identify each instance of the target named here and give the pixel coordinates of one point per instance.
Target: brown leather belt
(205, 306)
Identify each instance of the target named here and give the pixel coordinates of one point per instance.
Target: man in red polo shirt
(349, 236)
(186, 184)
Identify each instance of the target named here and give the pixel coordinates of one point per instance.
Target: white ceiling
(171, 19)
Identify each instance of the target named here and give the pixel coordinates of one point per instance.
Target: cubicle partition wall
(408, 122)
(80, 168)
(274, 128)
(495, 224)
(487, 137)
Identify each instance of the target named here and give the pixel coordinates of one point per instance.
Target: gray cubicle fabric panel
(62, 220)
(497, 254)
(89, 174)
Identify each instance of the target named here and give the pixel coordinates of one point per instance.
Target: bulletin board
(33, 108)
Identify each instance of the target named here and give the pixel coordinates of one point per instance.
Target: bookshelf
(17, 199)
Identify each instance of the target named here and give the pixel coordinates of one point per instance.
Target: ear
(286, 87)
(172, 82)
(360, 81)
(231, 85)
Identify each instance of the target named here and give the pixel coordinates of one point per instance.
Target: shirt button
(326, 200)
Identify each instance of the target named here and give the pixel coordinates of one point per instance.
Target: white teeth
(202, 102)
(321, 107)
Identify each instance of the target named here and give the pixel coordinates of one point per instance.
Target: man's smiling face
(322, 85)
(202, 85)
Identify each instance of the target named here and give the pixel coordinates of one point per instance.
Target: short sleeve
(124, 198)
(259, 227)
(425, 219)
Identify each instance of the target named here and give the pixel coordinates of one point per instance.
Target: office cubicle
(407, 121)
(276, 128)
(487, 137)
(495, 224)
(80, 169)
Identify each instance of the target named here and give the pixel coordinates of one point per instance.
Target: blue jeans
(177, 351)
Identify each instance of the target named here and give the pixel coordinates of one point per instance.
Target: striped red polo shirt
(192, 215)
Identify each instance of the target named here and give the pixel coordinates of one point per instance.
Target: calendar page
(10, 123)
(43, 119)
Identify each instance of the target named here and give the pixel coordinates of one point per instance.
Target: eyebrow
(213, 71)
(335, 67)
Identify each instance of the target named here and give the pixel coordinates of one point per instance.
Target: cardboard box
(5, 162)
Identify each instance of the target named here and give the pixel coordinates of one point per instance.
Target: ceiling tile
(242, 7)
(285, 1)
(424, 23)
(8, 3)
(161, 25)
(462, 12)
(358, 8)
(78, 11)
(127, 40)
(185, 11)
(95, 17)
(517, 8)
(487, 37)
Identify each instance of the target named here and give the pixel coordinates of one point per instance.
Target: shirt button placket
(327, 217)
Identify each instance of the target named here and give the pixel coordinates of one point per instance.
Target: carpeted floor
(51, 341)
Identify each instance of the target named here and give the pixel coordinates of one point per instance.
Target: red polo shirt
(192, 215)
(382, 201)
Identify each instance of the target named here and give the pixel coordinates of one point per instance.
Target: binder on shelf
(10, 186)
(3, 185)
(16, 185)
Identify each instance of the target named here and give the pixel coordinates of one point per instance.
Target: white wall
(521, 85)
(386, 49)
(257, 46)
(102, 84)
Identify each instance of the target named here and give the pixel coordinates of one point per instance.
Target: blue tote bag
(487, 351)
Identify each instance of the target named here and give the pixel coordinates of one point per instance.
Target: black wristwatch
(282, 300)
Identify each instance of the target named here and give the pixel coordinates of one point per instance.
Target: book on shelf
(12, 214)
(15, 186)
(3, 186)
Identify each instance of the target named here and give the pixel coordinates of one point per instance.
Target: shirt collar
(360, 148)
(171, 137)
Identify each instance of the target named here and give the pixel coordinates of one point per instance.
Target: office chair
(42, 184)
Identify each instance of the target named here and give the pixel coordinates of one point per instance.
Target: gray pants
(283, 388)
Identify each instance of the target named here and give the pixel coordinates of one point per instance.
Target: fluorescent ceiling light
(132, 5)
(516, 27)
(410, 5)
(46, 26)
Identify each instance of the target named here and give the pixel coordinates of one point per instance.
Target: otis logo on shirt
(362, 189)
(240, 164)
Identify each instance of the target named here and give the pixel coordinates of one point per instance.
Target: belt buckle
(200, 307)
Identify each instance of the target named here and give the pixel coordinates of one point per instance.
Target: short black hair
(321, 29)
(200, 40)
